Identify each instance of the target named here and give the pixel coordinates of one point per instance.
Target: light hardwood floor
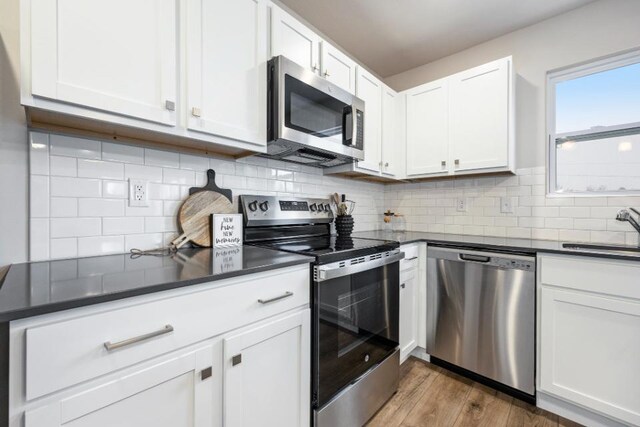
(432, 396)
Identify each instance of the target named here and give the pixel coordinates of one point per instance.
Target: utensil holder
(344, 225)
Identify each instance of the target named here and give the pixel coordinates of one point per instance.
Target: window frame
(571, 72)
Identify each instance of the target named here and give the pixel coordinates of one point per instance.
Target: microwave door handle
(349, 139)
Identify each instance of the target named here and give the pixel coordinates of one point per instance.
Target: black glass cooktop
(332, 248)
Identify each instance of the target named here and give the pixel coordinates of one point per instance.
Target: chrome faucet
(624, 215)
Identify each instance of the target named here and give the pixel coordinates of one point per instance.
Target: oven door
(313, 112)
(355, 321)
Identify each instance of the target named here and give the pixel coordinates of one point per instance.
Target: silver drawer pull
(410, 259)
(116, 345)
(267, 301)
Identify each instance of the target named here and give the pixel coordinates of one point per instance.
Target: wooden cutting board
(194, 216)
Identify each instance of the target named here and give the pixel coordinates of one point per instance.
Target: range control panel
(272, 210)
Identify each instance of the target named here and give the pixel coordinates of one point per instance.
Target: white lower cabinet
(409, 299)
(589, 336)
(266, 374)
(234, 353)
(171, 393)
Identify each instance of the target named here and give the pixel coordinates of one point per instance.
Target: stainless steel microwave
(311, 120)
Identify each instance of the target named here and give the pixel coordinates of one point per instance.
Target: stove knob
(327, 208)
(264, 206)
(320, 207)
(253, 206)
(313, 207)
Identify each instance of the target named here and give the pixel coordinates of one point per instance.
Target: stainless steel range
(355, 288)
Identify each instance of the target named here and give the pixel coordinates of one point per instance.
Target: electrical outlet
(138, 193)
(461, 204)
(505, 205)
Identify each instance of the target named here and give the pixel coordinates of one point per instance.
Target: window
(593, 119)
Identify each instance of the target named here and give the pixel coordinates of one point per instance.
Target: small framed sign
(226, 230)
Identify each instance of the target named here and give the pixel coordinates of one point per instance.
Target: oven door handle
(333, 271)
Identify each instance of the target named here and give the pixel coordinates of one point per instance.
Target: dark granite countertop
(530, 246)
(36, 288)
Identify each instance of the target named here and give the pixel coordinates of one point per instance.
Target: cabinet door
(428, 129)
(174, 393)
(408, 312)
(480, 105)
(369, 89)
(226, 66)
(118, 56)
(267, 374)
(589, 351)
(338, 68)
(392, 137)
(291, 38)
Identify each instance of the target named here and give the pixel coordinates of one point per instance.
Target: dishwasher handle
(474, 258)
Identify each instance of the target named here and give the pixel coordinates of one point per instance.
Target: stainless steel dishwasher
(481, 316)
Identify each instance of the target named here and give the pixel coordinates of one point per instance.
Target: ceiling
(392, 36)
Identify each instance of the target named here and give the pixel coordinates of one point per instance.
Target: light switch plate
(461, 204)
(505, 205)
(138, 193)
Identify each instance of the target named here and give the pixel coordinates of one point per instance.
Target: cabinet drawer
(411, 254)
(73, 350)
(601, 275)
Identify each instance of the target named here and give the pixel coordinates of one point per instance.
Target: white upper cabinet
(392, 134)
(338, 68)
(267, 374)
(480, 119)
(118, 56)
(369, 89)
(462, 123)
(291, 38)
(428, 129)
(226, 66)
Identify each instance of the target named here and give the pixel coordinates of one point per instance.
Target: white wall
(13, 143)
(595, 30)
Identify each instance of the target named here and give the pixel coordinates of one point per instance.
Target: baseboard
(420, 353)
(574, 413)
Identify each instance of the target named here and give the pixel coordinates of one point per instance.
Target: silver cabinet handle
(412, 258)
(116, 345)
(443, 163)
(386, 165)
(403, 285)
(326, 73)
(170, 105)
(267, 301)
(195, 112)
(456, 161)
(315, 67)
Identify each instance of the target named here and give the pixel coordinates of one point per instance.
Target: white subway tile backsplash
(100, 245)
(62, 145)
(100, 207)
(143, 241)
(100, 169)
(122, 153)
(196, 163)
(178, 176)
(39, 154)
(115, 189)
(75, 227)
(64, 207)
(64, 248)
(160, 224)
(124, 225)
(166, 159)
(39, 197)
(39, 239)
(165, 192)
(148, 173)
(88, 182)
(154, 209)
(63, 166)
(75, 187)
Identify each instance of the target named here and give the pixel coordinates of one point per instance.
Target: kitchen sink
(632, 251)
